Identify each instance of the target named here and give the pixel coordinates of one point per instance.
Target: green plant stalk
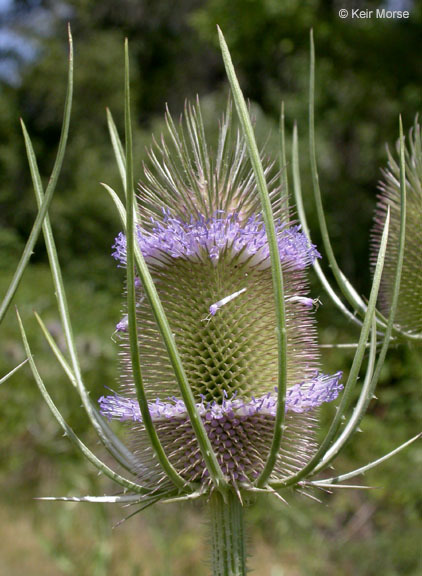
(347, 289)
(117, 148)
(127, 484)
(354, 371)
(297, 189)
(120, 156)
(210, 459)
(125, 499)
(398, 332)
(131, 297)
(10, 374)
(162, 323)
(370, 384)
(36, 228)
(109, 439)
(282, 162)
(113, 444)
(367, 393)
(277, 274)
(228, 539)
(350, 346)
(345, 286)
(360, 471)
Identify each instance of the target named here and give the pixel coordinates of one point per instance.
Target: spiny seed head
(409, 309)
(204, 240)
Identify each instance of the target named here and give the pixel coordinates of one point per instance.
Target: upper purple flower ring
(189, 239)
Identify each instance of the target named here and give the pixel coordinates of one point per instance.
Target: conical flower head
(409, 309)
(205, 244)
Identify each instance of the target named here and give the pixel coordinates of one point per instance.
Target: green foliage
(367, 72)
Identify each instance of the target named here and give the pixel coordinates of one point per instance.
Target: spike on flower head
(409, 309)
(205, 244)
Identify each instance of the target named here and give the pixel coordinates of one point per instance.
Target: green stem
(228, 538)
(276, 270)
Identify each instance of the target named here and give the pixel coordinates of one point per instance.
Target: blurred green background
(368, 71)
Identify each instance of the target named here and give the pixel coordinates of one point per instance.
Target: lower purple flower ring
(240, 430)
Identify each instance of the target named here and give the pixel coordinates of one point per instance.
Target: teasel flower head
(409, 310)
(203, 238)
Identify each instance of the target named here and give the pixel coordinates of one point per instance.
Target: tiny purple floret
(307, 302)
(213, 309)
(123, 324)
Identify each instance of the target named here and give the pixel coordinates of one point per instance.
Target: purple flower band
(177, 238)
(299, 398)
